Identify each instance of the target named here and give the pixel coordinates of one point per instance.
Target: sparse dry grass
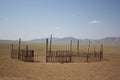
(12, 69)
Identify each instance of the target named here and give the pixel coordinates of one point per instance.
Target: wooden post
(70, 58)
(26, 54)
(70, 45)
(46, 50)
(26, 48)
(101, 52)
(11, 50)
(32, 55)
(78, 47)
(94, 51)
(88, 51)
(70, 49)
(50, 42)
(19, 47)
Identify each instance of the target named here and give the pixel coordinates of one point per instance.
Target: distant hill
(8, 41)
(110, 41)
(113, 41)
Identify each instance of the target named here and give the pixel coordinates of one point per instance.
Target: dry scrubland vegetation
(12, 69)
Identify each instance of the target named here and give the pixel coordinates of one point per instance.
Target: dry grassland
(13, 69)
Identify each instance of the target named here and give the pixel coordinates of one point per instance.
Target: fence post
(27, 51)
(78, 47)
(88, 51)
(19, 47)
(27, 48)
(70, 45)
(50, 42)
(11, 50)
(94, 51)
(33, 55)
(101, 52)
(25, 56)
(70, 49)
(46, 50)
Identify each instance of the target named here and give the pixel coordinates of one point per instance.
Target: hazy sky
(31, 19)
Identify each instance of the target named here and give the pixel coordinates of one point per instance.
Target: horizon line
(61, 38)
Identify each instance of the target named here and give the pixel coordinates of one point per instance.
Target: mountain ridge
(66, 40)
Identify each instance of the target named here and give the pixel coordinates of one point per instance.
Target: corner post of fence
(94, 51)
(33, 55)
(19, 47)
(70, 50)
(46, 50)
(71, 46)
(101, 52)
(11, 50)
(78, 47)
(50, 42)
(26, 50)
(88, 51)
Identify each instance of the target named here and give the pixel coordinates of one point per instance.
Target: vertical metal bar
(11, 50)
(70, 45)
(46, 50)
(88, 51)
(94, 51)
(101, 52)
(78, 47)
(19, 47)
(50, 42)
(26, 54)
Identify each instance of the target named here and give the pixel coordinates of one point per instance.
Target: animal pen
(72, 56)
(57, 56)
(87, 55)
(21, 52)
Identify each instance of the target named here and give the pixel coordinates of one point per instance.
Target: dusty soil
(13, 69)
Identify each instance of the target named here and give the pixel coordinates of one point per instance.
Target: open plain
(13, 69)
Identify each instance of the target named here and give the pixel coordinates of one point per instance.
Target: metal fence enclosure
(58, 56)
(26, 55)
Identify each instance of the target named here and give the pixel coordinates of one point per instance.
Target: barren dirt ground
(13, 69)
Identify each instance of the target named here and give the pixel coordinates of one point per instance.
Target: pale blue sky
(31, 19)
